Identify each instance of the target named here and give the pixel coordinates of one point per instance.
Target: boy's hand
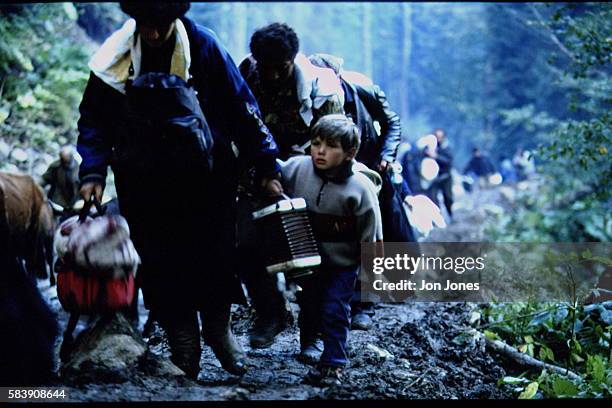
(272, 186)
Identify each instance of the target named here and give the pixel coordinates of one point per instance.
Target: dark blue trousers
(325, 309)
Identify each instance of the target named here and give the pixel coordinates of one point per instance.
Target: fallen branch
(526, 360)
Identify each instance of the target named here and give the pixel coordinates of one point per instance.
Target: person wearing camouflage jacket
(292, 94)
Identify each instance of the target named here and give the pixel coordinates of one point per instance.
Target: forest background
(495, 76)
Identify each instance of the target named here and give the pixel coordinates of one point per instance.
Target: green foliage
(571, 201)
(568, 335)
(44, 72)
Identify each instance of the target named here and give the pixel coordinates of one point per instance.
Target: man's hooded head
(154, 19)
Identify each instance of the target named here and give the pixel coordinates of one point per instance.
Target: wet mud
(413, 351)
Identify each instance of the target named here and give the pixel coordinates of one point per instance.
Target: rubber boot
(184, 340)
(217, 333)
(270, 308)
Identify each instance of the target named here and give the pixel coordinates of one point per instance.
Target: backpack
(166, 126)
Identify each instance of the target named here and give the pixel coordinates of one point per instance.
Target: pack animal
(28, 327)
(28, 218)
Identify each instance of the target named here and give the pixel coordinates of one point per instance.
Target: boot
(310, 352)
(265, 330)
(271, 310)
(217, 333)
(361, 321)
(184, 340)
(325, 376)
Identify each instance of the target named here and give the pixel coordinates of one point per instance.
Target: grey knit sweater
(344, 210)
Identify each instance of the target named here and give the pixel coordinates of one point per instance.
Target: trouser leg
(267, 300)
(217, 333)
(183, 333)
(447, 193)
(309, 299)
(357, 306)
(335, 317)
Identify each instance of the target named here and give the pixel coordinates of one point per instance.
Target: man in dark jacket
(182, 224)
(480, 166)
(293, 94)
(444, 182)
(63, 178)
(366, 104)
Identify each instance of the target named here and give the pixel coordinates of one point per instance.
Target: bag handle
(87, 206)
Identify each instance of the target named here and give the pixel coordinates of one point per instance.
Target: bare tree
(366, 35)
(406, 54)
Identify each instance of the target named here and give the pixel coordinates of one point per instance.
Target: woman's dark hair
(276, 42)
(155, 13)
(337, 128)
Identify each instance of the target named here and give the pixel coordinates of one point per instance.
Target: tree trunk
(406, 54)
(238, 31)
(366, 36)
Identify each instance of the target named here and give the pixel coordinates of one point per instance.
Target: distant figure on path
(481, 167)
(444, 181)
(63, 178)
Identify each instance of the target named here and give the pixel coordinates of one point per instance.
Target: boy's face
(327, 155)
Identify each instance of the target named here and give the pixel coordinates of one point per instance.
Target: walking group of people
(431, 149)
(280, 122)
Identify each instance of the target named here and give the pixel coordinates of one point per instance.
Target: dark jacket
(366, 104)
(64, 182)
(182, 226)
(444, 159)
(227, 102)
(481, 166)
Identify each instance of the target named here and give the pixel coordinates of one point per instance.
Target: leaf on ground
(546, 354)
(530, 391)
(596, 368)
(564, 387)
(513, 380)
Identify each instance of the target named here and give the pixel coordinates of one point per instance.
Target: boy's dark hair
(276, 42)
(156, 13)
(337, 128)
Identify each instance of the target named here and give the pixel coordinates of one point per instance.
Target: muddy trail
(413, 351)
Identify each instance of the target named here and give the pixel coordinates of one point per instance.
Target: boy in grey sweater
(344, 212)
